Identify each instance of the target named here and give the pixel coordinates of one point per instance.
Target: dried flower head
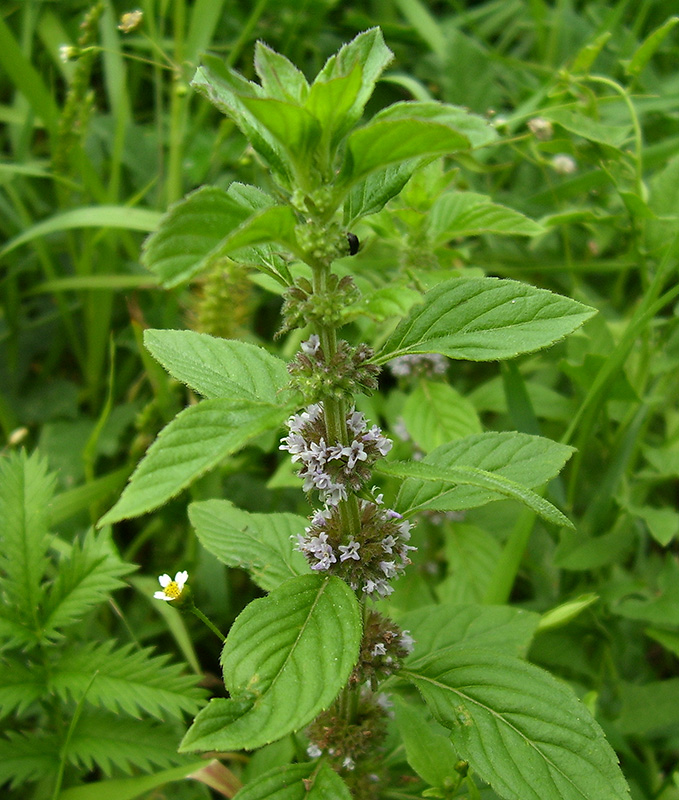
(130, 21)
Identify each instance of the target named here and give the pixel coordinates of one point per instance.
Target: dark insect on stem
(353, 243)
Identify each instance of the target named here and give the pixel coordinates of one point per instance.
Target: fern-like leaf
(85, 577)
(126, 680)
(21, 684)
(25, 492)
(27, 757)
(106, 741)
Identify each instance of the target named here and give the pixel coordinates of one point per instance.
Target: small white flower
(67, 52)
(130, 21)
(541, 128)
(172, 589)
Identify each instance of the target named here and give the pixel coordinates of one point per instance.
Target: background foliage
(96, 148)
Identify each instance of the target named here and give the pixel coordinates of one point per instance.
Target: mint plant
(318, 659)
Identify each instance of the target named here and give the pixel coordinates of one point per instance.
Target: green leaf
(260, 543)
(648, 709)
(429, 753)
(477, 130)
(131, 219)
(196, 440)
(130, 788)
(226, 89)
(612, 135)
(435, 414)
(331, 103)
(217, 367)
(27, 757)
(484, 319)
(384, 141)
(523, 459)
(471, 476)
(285, 659)
(191, 231)
(472, 555)
(370, 52)
(543, 741)
(280, 78)
(649, 47)
(110, 742)
(459, 214)
(371, 194)
(85, 577)
(125, 679)
(25, 493)
(306, 781)
(295, 129)
(436, 628)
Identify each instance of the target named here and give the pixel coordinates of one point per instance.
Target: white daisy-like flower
(172, 589)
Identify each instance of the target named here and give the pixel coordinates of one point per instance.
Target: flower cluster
(417, 364)
(383, 648)
(368, 565)
(347, 372)
(333, 469)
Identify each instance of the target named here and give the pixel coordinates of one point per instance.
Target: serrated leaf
(460, 214)
(527, 460)
(280, 78)
(21, 685)
(389, 141)
(438, 627)
(26, 489)
(543, 741)
(435, 413)
(108, 741)
(484, 319)
(285, 659)
(260, 543)
(371, 194)
(371, 53)
(196, 440)
(471, 476)
(330, 102)
(217, 367)
(190, 230)
(306, 781)
(225, 89)
(84, 579)
(125, 679)
(295, 129)
(27, 757)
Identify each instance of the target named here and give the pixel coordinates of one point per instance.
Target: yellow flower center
(172, 590)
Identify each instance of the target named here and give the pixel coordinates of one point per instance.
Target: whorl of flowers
(418, 364)
(368, 565)
(333, 469)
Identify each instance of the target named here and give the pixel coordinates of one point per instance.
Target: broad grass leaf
(438, 627)
(217, 367)
(285, 659)
(435, 413)
(521, 730)
(524, 459)
(196, 440)
(484, 319)
(262, 544)
(460, 214)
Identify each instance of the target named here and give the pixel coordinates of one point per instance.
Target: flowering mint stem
(198, 613)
